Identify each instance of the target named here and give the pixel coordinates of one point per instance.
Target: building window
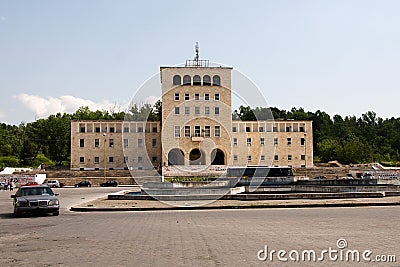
(275, 141)
(216, 97)
(302, 141)
(82, 159)
(196, 80)
(111, 142)
(187, 80)
(216, 80)
(140, 142)
(289, 141)
(153, 142)
(206, 110)
(187, 110)
(176, 110)
(262, 157)
(176, 80)
(216, 110)
(154, 159)
(235, 157)
(96, 159)
(176, 97)
(303, 157)
(154, 129)
(207, 97)
(126, 129)
(262, 141)
(125, 142)
(206, 80)
(276, 157)
(288, 129)
(234, 129)
(81, 142)
(82, 129)
(187, 131)
(197, 110)
(187, 96)
(112, 129)
(217, 131)
(261, 129)
(97, 129)
(249, 157)
(235, 141)
(140, 129)
(196, 97)
(248, 129)
(301, 129)
(248, 141)
(197, 131)
(125, 159)
(207, 131)
(289, 157)
(275, 129)
(177, 131)
(139, 159)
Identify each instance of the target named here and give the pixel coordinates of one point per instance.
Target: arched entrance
(197, 157)
(217, 157)
(176, 157)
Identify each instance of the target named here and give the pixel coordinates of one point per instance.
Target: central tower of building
(196, 114)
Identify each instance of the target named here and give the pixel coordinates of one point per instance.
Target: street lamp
(105, 159)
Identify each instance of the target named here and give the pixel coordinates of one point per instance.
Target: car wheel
(56, 213)
(16, 213)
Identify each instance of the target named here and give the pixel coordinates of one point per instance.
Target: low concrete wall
(252, 197)
(336, 189)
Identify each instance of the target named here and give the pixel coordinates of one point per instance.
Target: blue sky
(342, 57)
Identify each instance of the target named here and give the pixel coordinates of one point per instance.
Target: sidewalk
(103, 204)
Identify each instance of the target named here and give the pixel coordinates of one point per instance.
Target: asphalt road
(194, 238)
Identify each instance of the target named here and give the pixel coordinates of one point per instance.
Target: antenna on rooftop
(196, 57)
(197, 62)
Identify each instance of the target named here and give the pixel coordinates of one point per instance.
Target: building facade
(196, 130)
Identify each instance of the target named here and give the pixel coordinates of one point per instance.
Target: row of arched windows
(187, 80)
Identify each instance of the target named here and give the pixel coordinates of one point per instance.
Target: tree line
(347, 139)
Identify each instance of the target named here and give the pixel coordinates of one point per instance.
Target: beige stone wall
(116, 139)
(277, 150)
(170, 120)
(158, 138)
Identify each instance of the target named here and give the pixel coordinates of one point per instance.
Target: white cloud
(45, 106)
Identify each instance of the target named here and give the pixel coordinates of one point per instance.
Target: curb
(261, 206)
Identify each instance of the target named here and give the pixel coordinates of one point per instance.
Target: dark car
(109, 184)
(39, 198)
(83, 184)
(320, 178)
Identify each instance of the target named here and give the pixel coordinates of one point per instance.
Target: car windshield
(32, 191)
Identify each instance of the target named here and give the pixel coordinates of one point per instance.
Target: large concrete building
(196, 131)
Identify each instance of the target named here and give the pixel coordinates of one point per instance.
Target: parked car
(320, 178)
(83, 184)
(53, 183)
(30, 183)
(112, 183)
(39, 198)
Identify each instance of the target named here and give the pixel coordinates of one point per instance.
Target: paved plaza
(190, 238)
